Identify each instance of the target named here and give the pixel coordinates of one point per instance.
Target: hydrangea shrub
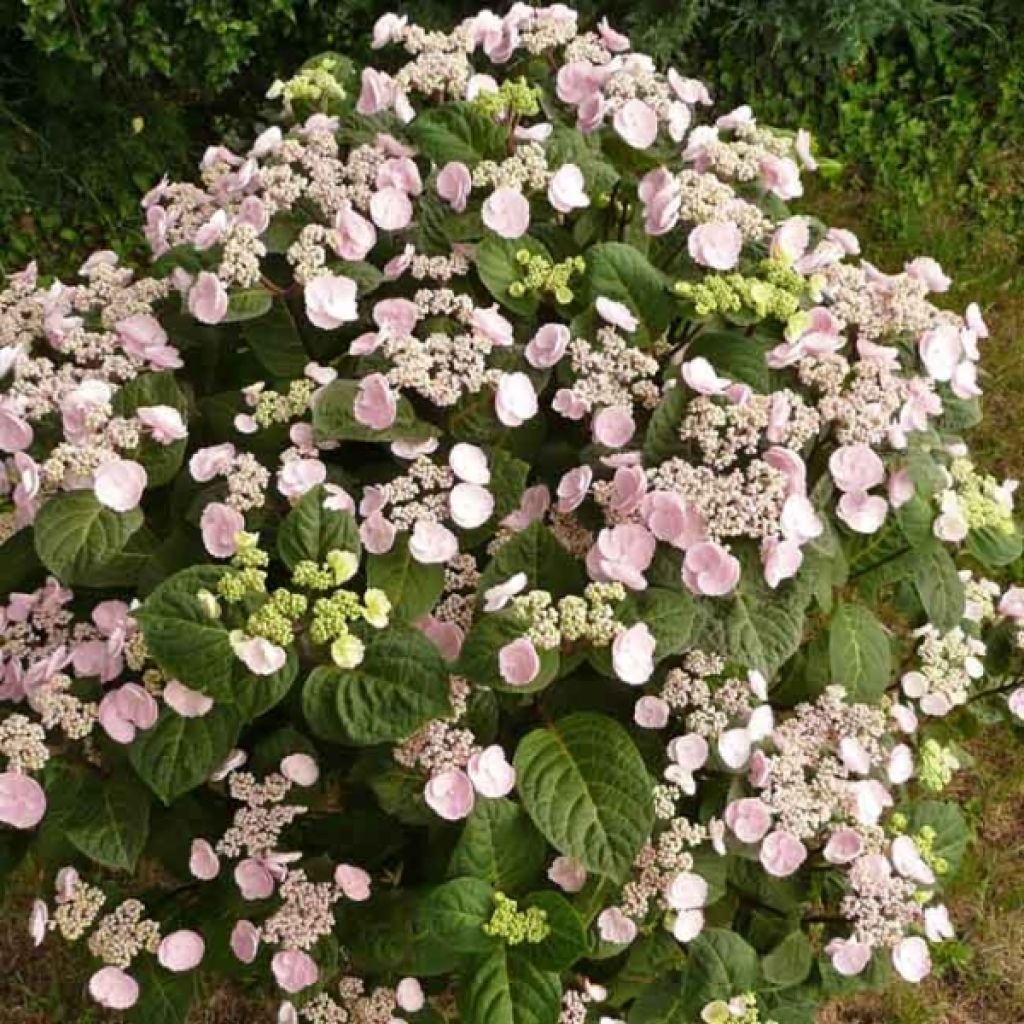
(500, 564)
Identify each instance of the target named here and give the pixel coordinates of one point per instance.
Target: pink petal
(353, 882)
(507, 212)
(519, 662)
(203, 862)
(294, 970)
(245, 941)
(22, 800)
(119, 484)
(450, 794)
(113, 988)
(181, 950)
(633, 654)
(491, 774)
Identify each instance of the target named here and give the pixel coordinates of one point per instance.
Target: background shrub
(98, 98)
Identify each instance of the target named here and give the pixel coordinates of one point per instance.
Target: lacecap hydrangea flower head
(501, 548)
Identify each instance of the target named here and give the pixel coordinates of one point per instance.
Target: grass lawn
(982, 979)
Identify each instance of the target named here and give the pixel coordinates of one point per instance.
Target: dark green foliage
(98, 99)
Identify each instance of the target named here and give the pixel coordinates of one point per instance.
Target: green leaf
(651, 958)
(734, 355)
(110, 821)
(939, 586)
(401, 684)
(661, 1003)
(161, 461)
(412, 587)
(366, 276)
(950, 828)
(507, 989)
(276, 342)
(536, 552)
(500, 845)
(859, 652)
(720, 965)
(320, 705)
(618, 271)
(959, 414)
(178, 754)
(994, 548)
(247, 304)
(255, 695)
(75, 535)
(183, 640)
(309, 531)
(455, 913)
(458, 131)
(567, 940)
(165, 997)
(662, 440)
(567, 145)
(399, 790)
(790, 962)
(498, 267)
(381, 935)
(584, 784)
(669, 614)
(334, 419)
(479, 657)
(19, 563)
(760, 626)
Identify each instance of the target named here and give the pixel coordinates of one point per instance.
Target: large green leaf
(939, 586)
(109, 822)
(455, 913)
(759, 626)
(165, 997)
(479, 657)
(789, 962)
(498, 266)
(162, 461)
(669, 614)
(276, 342)
(500, 845)
(458, 131)
(859, 653)
(662, 440)
(566, 941)
(179, 754)
(401, 684)
(412, 587)
(950, 827)
(994, 547)
(567, 145)
(734, 355)
(255, 695)
(536, 552)
(75, 535)
(620, 272)
(584, 784)
(720, 965)
(309, 531)
(334, 418)
(181, 637)
(508, 989)
(247, 304)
